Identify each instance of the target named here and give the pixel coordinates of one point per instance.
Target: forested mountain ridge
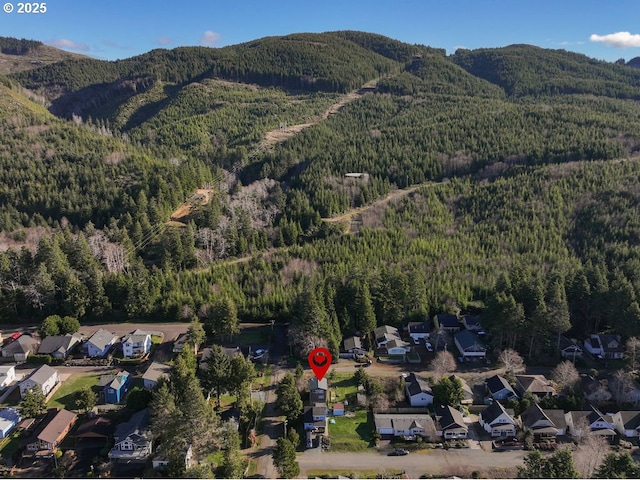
(527, 191)
(523, 70)
(17, 55)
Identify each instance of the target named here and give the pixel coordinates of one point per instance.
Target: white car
(428, 345)
(416, 341)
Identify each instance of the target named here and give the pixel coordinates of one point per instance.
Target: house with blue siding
(114, 386)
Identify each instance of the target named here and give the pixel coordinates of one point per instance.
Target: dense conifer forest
(522, 167)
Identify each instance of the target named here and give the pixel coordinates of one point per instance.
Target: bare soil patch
(202, 196)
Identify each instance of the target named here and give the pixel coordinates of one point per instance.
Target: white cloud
(209, 38)
(617, 40)
(69, 44)
(164, 41)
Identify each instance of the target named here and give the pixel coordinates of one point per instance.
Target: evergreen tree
(284, 459)
(289, 402)
(33, 403)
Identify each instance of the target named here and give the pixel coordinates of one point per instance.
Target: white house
(132, 440)
(469, 344)
(155, 371)
(136, 345)
(100, 342)
(449, 423)
(500, 389)
(385, 334)
(9, 418)
(397, 347)
(599, 423)
(418, 331)
(44, 379)
(404, 424)
(607, 346)
(498, 421)
(418, 391)
(627, 423)
(467, 399)
(7, 375)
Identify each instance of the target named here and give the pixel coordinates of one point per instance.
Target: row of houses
(499, 422)
(98, 345)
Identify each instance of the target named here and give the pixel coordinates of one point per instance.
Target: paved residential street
(433, 462)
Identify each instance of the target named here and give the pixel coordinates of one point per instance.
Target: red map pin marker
(319, 361)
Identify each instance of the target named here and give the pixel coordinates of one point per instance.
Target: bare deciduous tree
(303, 341)
(565, 375)
(633, 351)
(511, 361)
(442, 364)
(114, 257)
(589, 454)
(621, 386)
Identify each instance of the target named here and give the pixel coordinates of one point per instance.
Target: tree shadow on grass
(68, 401)
(365, 430)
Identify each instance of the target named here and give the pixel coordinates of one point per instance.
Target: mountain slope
(20, 55)
(527, 70)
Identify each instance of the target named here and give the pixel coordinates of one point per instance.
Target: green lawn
(254, 336)
(352, 434)
(64, 396)
(10, 444)
(265, 378)
(344, 386)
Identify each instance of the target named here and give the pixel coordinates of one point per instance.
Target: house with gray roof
(569, 348)
(386, 333)
(9, 418)
(627, 423)
(418, 391)
(449, 423)
(155, 371)
(535, 419)
(409, 425)
(498, 421)
(136, 345)
(597, 422)
(20, 348)
(467, 399)
(500, 389)
(605, 345)
(59, 346)
(447, 322)
(44, 379)
(469, 345)
(100, 343)
(132, 440)
(352, 345)
(535, 384)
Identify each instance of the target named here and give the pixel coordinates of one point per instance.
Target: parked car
(399, 452)
(429, 346)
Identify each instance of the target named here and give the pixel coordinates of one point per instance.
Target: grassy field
(65, 395)
(352, 434)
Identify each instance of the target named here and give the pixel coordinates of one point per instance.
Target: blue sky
(111, 29)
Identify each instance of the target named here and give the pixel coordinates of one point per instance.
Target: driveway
(432, 462)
